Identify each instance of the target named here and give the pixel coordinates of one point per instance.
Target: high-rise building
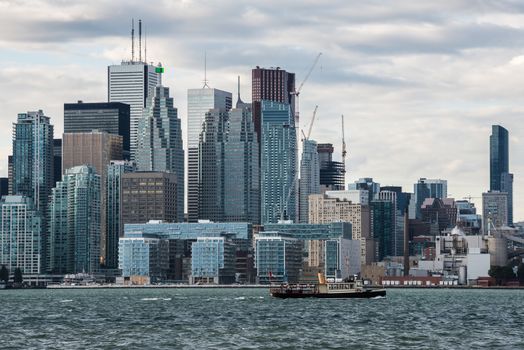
(4, 186)
(213, 260)
(324, 209)
(273, 84)
(149, 196)
(211, 176)
(144, 256)
(57, 161)
(429, 188)
(20, 235)
(114, 225)
(500, 178)
(383, 227)
(331, 172)
(199, 102)
(467, 218)
(278, 163)
(97, 149)
(242, 175)
(309, 182)
(441, 214)
(32, 169)
(10, 179)
(74, 222)
(366, 183)
(278, 259)
(112, 117)
(132, 82)
(494, 210)
(160, 146)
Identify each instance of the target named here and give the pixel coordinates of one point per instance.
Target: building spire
(205, 71)
(140, 40)
(239, 100)
(132, 40)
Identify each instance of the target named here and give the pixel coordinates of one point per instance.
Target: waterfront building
(309, 182)
(500, 178)
(97, 149)
(149, 196)
(32, 163)
(278, 163)
(441, 214)
(329, 209)
(114, 224)
(270, 84)
(342, 258)
(20, 235)
(429, 188)
(331, 172)
(144, 256)
(160, 145)
(199, 102)
(494, 210)
(211, 167)
(111, 117)
(213, 260)
(57, 161)
(367, 184)
(189, 230)
(132, 82)
(74, 222)
(383, 228)
(241, 174)
(278, 259)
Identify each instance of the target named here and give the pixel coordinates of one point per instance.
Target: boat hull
(365, 294)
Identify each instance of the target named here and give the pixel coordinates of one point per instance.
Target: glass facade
(500, 178)
(278, 163)
(144, 257)
(114, 225)
(241, 230)
(309, 177)
(428, 188)
(199, 102)
(383, 228)
(74, 220)
(213, 260)
(132, 83)
(20, 235)
(278, 259)
(160, 146)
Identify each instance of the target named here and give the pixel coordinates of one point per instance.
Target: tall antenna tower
(140, 40)
(132, 40)
(205, 71)
(145, 45)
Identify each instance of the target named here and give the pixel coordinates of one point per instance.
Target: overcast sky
(419, 82)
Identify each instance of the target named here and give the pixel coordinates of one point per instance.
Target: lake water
(251, 319)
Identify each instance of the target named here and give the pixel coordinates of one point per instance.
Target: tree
(4, 274)
(520, 274)
(18, 278)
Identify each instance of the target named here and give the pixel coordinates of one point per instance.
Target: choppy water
(250, 319)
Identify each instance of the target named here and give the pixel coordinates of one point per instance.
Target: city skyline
(452, 68)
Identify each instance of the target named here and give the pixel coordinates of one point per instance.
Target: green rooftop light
(159, 70)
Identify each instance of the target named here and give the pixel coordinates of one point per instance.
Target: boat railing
(294, 287)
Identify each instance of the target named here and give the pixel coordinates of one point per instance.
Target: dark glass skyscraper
(500, 178)
(112, 117)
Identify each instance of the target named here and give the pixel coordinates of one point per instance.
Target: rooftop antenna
(140, 40)
(132, 40)
(145, 45)
(205, 70)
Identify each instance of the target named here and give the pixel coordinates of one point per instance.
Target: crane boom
(297, 92)
(312, 121)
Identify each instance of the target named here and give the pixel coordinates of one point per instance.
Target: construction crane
(312, 121)
(296, 93)
(344, 152)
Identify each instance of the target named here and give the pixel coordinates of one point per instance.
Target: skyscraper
(160, 146)
(211, 176)
(57, 161)
(500, 178)
(74, 221)
(494, 210)
(113, 118)
(32, 170)
(132, 82)
(97, 149)
(20, 235)
(429, 188)
(309, 177)
(114, 224)
(242, 174)
(199, 102)
(273, 84)
(278, 163)
(331, 172)
(366, 183)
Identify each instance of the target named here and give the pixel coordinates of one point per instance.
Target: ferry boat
(353, 289)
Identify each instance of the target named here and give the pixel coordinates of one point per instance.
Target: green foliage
(502, 274)
(18, 278)
(520, 273)
(4, 274)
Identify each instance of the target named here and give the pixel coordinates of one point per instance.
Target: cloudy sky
(419, 82)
